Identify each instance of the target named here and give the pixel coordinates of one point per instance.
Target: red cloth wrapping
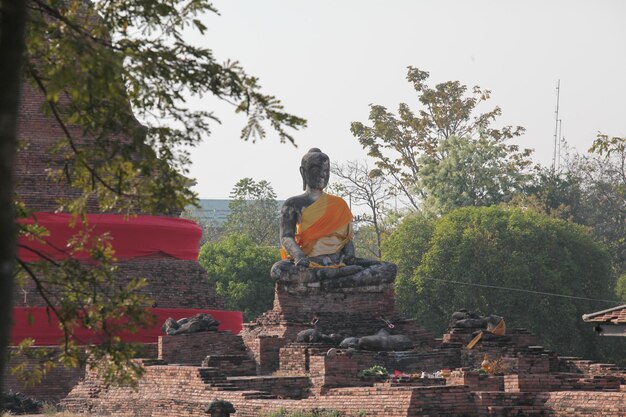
(132, 237)
(33, 322)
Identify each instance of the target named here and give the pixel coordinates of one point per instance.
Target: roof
(615, 315)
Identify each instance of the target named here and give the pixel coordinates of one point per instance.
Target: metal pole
(556, 125)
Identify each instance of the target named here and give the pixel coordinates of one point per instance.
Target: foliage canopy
(240, 269)
(474, 247)
(396, 142)
(100, 68)
(254, 212)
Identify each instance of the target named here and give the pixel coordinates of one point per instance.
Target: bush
(477, 256)
(240, 270)
(17, 403)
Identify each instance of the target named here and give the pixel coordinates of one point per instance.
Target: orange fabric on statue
(329, 216)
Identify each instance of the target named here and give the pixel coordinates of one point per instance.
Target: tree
(367, 190)
(466, 172)
(254, 212)
(239, 268)
(211, 229)
(604, 175)
(100, 66)
(479, 257)
(12, 22)
(397, 142)
(555, 194)
(406, 246)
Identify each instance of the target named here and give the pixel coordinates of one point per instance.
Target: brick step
(514, 411)
(231, 365)
(208, 374)
(254, 394)
(151, 361)
(222, 384)
(214, 380)
(224, 387)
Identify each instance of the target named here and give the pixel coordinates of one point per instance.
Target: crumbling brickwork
(171, 282)
(55, 384)
(526, 379)
(192, 349)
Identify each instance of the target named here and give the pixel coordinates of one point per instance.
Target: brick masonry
(306, 376)
(192, 349)
(171, 282)
(55, 384)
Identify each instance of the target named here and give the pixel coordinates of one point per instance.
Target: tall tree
(100, 66)
(363, 189)
(240, 270)
(466, 172)
(254, 212)
(605, 178)
(12, 23)
(398, 141)
(555, 194)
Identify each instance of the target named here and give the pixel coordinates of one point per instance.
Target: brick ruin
(264, 369)
(171, 282)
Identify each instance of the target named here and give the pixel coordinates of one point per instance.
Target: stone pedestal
(357, 300)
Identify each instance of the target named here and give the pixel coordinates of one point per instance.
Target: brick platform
(314, 376)
(347, 306)
(192, 349)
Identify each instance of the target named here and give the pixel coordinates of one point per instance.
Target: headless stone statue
(315, 227)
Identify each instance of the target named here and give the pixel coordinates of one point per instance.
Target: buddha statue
(315, 227)
(320, 275)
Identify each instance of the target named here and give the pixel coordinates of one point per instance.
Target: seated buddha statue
(316, 238)
(316, 227)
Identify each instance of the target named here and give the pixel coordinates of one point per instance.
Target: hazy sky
(328, 60)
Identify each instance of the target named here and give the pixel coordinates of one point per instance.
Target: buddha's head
(315, 169)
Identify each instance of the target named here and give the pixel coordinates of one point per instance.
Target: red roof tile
(616, 315)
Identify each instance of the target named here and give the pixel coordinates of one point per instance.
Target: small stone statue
(316, 336)
(486, 328)
(199, 323)
(384, 341)
(315, 227)
(468, 319)
(220, 408)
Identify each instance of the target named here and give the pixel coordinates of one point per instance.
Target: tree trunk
(12, 23)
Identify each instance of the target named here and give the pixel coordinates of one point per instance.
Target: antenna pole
(558, 165)
(556, 126)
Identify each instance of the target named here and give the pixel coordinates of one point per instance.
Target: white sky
(328, 60)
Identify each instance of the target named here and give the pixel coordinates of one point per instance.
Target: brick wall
(334, 371)
(38, 135)
(232, 365)
(584, 404)
(171, 283)
(54, 386)
(292, 387)
(179, 390)
(476, 381)
(192, 348)
(265, 351)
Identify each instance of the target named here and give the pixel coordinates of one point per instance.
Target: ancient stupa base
(296, 376)
(355, 301)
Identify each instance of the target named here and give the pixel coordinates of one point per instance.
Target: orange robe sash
(322, 218)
